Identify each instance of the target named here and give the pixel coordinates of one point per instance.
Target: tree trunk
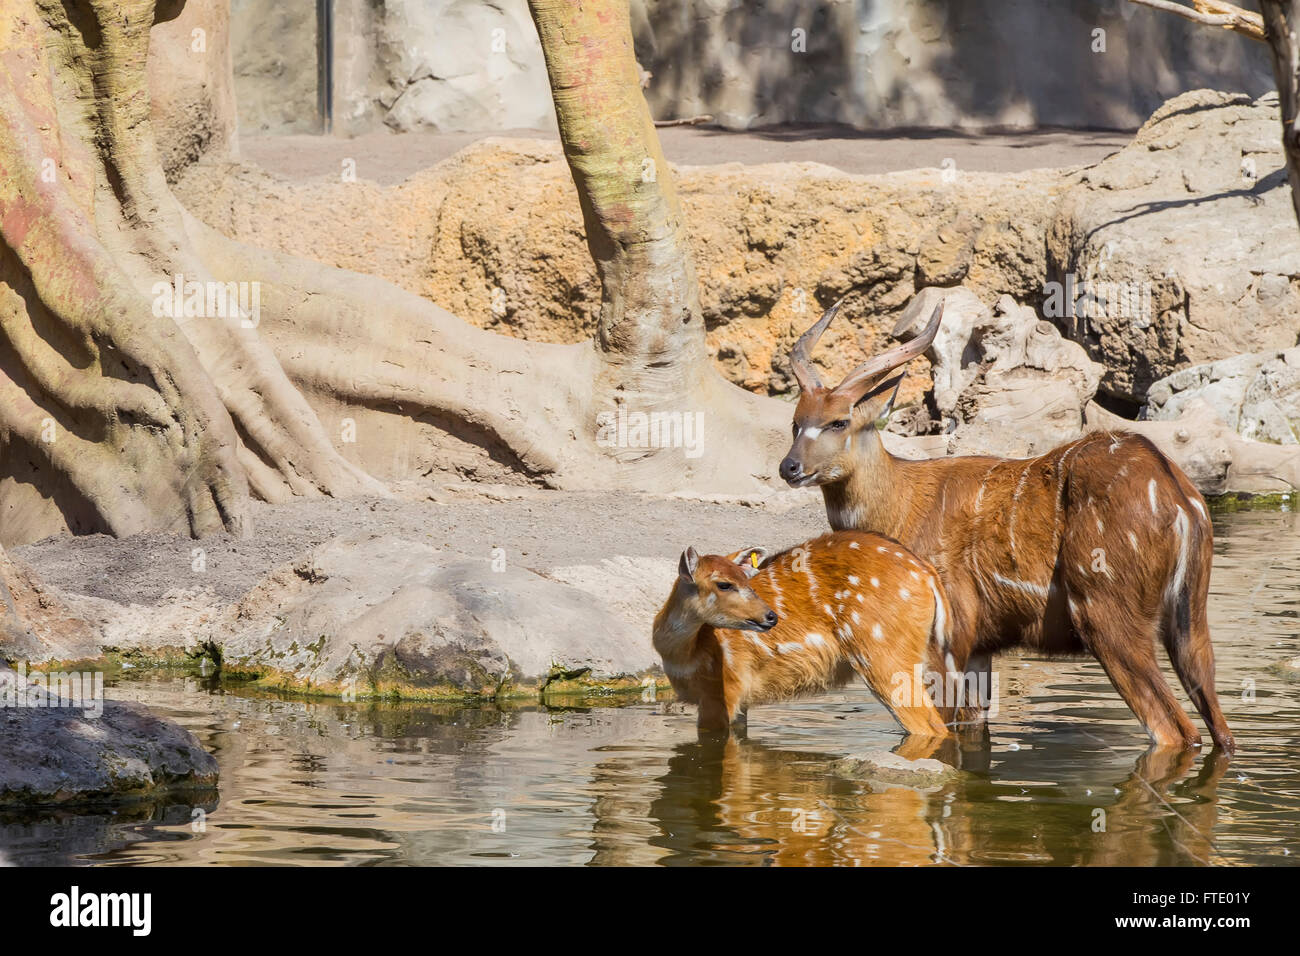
(118, 416)
(1282, 26)
(650, 334)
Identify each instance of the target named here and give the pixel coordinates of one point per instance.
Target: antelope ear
(751, 559)
(690, 560)
(879, 401)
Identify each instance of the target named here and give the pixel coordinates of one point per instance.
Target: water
(1061, 778)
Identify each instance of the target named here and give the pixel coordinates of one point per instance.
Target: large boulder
(1005, 382)
(385, 615)
(1182, 248)
(1258, 395)
(54, 753)
(60, 741)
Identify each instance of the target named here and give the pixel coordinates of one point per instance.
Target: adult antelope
(1101, 545)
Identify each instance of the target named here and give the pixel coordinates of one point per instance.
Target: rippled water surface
(1061, 777)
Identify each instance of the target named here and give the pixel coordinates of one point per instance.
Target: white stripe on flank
(778, 596)
(1133, 540)
(940, 617)
(1180, 568)
(1037, 590)
(1197, 505)
(1151, 493)
(1015, 500)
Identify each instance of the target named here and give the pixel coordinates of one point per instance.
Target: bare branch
(688, 121)
(1214, 13)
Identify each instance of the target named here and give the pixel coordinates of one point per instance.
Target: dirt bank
(539, 530)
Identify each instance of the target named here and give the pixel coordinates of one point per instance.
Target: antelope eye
(839, 424)
(726, 586)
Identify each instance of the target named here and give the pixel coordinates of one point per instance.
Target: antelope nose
(790, 469)
(770, 618)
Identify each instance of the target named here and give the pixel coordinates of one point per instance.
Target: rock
(274, 55)
(1289, 669)
(61, 754)
(1185, 242)
(35, 624)
(1214, 457)
(954, 361)
(385, 615)
(890, 768)
(1257, 395)
(876, 65)
(436, 64)
(191, 93)
(918, 63)
(75, 746)
(1005, 383)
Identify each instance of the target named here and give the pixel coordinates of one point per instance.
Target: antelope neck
(864, 499)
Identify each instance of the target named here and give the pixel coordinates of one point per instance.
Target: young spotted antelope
(1100, 546)
(735, 633)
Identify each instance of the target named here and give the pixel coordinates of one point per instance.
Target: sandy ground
(537, 529)
(388, 158)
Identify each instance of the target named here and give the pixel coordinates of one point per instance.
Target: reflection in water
(742, 802)
(1061, 776)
